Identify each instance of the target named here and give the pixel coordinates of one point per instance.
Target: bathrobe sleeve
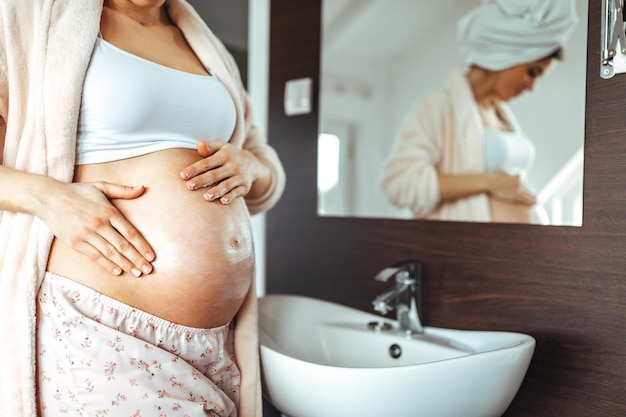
(3, 131)
(4, 88)
(256, 142)
(247, 356)
(410, 174)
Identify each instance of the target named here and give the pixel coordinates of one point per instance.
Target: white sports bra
(511, 152)
(132, 106)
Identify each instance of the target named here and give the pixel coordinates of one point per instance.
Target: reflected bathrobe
(442, 132)
(45, 48)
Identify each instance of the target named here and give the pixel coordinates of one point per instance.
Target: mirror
(379, 56)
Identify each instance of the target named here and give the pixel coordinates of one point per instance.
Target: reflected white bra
(132, 106)
(511, 152)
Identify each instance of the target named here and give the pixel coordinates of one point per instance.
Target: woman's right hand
(510, 188)
(81, 216)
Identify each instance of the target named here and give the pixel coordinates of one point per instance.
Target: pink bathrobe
(45, 47)
(442, 132)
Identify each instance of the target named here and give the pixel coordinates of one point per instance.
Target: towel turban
(501, 34)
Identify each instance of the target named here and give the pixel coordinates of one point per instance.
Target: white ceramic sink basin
(319, 359)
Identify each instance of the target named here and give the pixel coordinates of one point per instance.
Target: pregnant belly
(506, 212)
(204, 251)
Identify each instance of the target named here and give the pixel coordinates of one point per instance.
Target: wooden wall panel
(564, 286)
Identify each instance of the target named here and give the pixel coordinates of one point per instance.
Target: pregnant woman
(130, 167)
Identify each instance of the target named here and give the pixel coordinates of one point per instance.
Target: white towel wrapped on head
(501, 34)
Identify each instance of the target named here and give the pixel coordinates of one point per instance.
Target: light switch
(298, 96)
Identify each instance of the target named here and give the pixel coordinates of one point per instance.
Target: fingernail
(137, 187)
(185, 175)
(210, 197)
(150, 257)
(191, 185)
(225, 200)
(146, 268)
(136, 272)
(117, 271)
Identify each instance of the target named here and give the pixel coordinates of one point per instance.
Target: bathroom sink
(321, 359)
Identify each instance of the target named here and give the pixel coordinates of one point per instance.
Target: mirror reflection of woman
(460, 153)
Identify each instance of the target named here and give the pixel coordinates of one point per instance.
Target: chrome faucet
(407, 277)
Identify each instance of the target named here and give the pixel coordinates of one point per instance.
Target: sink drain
(379, 326)
(395, 351)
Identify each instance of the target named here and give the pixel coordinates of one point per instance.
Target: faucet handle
(403, 272)
(387, 273)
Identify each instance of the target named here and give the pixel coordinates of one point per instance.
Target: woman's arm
(412, 177)
(410, 172)
(498, 184)
(81, 215)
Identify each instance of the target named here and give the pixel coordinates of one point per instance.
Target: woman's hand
(510, 188)
(81, 216)
(227, 171)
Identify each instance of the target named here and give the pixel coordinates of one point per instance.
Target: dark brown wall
(563, 285)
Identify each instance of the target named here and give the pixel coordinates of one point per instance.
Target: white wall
(258, 86)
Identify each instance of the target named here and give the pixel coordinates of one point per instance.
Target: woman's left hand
(227, 171)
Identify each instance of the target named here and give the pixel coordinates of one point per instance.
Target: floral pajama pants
(99, 357)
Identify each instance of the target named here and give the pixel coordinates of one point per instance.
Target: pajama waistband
(77, 292)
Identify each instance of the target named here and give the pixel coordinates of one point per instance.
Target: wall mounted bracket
(613, 49)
